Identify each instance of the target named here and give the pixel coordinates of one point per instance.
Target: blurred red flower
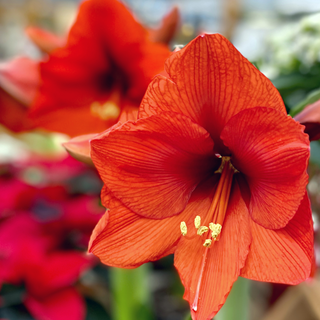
(213, 157)
(100, 75)
(43, 223)
(49, 274)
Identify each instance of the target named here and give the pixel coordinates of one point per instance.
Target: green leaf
(188, 317)
(237, 304)
(315, 152)
(130, 294)
(95, 311)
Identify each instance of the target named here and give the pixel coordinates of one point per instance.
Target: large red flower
(103, 70)
(214, 171)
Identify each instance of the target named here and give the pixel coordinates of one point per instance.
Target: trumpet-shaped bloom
(213, 171)
(103, 70)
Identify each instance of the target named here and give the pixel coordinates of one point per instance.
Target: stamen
(202, 230)
(207, 243)
(183, 228)
(215, 228)
(197, 222)
(105, 111)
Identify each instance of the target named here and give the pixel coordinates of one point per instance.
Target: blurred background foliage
(281, 37)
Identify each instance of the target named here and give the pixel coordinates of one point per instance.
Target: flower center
(218, 208)
(105, 111)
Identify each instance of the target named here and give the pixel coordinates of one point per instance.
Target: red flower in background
(49, 274)
(100, 75)
(214, 157)
(44, 219)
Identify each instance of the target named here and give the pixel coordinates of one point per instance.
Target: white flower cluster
(294, 47)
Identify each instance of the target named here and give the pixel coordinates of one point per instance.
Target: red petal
(284, 255)
(310, 117)
(57, 270)
(124, 239)
(13, 113)
(79, 147)
(15, 195)
(81, 213)
(311, 113)
(129, 112)
(225, 259)
(152, 166)
(19, 250)
(58, 119)
(20, 78)
(168, 28)
(272, 151)
(66, 304)
(210, 81)
(44, 40)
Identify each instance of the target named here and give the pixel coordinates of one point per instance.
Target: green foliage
(95, 311)
(237, 304)
(130, 294)
(315, 152)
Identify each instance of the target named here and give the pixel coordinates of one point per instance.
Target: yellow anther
(202, 230)
(207, 243)
(108, 110)
(183, 228)
(197, 222)
(215, 228)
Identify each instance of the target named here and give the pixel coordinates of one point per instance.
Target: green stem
(130, 293)
(237, 304)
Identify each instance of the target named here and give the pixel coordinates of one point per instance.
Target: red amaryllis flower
(92, 87)
(215, 171)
